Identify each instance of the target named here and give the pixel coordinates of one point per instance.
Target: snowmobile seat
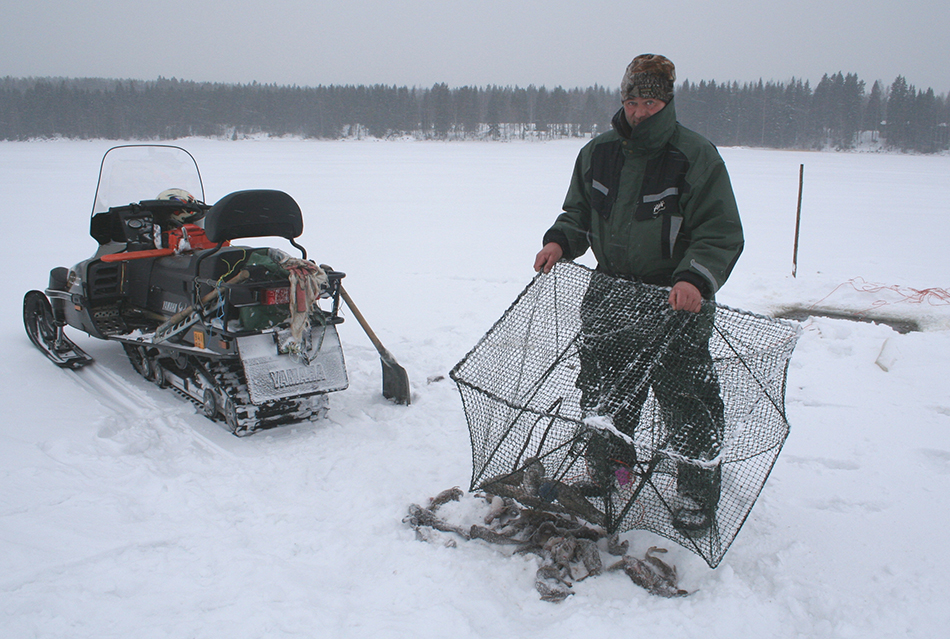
(255, 213)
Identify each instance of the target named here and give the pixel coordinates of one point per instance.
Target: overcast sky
(504, 42)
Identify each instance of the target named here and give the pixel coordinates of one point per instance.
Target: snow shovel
(395, 378)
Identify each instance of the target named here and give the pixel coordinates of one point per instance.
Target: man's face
(639, 109)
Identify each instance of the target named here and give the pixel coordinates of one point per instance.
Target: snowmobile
(247, 333)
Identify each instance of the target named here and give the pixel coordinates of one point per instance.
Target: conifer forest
(841, 112)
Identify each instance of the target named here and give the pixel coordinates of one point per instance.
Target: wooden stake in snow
(798, 219)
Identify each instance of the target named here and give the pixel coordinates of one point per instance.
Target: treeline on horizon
(839, 112)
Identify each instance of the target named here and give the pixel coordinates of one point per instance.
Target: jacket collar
(650, 135)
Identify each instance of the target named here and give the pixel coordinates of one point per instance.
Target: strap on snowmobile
(136, 255)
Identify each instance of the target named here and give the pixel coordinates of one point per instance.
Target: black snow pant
(632, 341)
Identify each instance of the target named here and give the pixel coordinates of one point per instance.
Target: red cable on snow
(933, 296)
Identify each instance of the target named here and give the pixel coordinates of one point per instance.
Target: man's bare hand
(548, 256)
(686, 297)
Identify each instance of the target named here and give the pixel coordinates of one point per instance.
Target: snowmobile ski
(48, 335)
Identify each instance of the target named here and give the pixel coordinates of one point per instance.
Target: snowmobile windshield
(136, 172)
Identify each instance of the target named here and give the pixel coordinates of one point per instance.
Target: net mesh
(590, 394)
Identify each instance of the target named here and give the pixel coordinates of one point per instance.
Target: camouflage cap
(648, 76)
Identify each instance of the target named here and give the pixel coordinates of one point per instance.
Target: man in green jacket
(653, 200)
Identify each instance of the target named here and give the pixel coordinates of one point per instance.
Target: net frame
(524, 402)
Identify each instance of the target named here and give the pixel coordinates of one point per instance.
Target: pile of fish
(569, 547)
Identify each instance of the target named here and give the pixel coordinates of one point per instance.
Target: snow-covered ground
(123, 513)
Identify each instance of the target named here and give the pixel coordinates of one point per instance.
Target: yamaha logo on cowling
(169, 306)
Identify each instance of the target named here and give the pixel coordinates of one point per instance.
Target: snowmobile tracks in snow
(132, 404)
(128, 399)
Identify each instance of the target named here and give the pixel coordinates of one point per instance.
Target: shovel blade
(395, 381)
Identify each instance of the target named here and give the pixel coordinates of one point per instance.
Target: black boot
(698, 496)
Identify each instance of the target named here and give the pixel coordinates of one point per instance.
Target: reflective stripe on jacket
(654, 203)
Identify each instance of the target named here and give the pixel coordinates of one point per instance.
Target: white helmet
(180, 195)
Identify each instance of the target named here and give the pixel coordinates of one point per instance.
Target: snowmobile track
(132, 403)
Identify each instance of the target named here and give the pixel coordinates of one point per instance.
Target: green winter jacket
(654, 203)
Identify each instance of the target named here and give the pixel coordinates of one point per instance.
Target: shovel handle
(395, 379)
(362, 320)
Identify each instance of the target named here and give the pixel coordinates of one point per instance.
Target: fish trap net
(592, 396)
